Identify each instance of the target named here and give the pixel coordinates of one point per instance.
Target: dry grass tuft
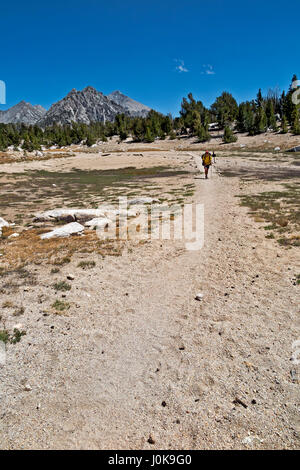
(29, 248)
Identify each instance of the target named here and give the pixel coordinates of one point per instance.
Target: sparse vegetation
(60, 306)
(86, 264)
(55, 270)
(281, 209)
(62, 285)
(13, 338)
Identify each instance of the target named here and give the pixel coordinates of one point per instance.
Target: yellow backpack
(206, 159)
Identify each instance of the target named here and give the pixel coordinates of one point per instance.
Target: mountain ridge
(85, 106)
(22, 113)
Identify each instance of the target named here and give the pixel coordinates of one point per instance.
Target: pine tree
(148, 135)
(284, 125)
(259, 99)
(202, 134)
(91, 140)
(229, 136)
(225, 109)
(271, 119)
(260, 121)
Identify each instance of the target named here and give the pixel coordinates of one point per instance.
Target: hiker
(214, 156)
(206, 162)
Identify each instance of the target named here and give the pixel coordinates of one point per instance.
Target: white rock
(39, 154)
(199, 296)
(64, 231)
(98, 222)
(71, 277)
(58, 214)
(27, 388)
(3, 223)
(277, 149)
(248, 440)
(14, 235)
(84, 213)
(18, 326)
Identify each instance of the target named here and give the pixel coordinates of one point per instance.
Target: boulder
(294, 149)
(14, 235)
(98, 222)
(64, 231)
(3, 223)
(68, 215)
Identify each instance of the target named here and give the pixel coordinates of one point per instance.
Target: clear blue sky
(156, 51)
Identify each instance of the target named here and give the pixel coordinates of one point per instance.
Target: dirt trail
(140, 341)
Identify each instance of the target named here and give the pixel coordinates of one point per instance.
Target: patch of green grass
(86, 264)
(55, 270)
(62, 285)
(14, 338)
(60, 306)
(281, 209)
(62, 261)
(4, 336)
(17, 335)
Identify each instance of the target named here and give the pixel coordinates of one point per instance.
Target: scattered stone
(70, 277)
(27, 388)
(199, 296)
(252, 440)
(14, 235)
(238, 401)
(61, 214)
(151, 439)
(163, 403)
(64, 231)
(294, 149)
(3, 223)
(277, 149)
(98, 223)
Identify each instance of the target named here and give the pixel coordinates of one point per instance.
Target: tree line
(275, 112)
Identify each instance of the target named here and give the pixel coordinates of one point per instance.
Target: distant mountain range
(22, 113)
(133, 107)
(86, 106)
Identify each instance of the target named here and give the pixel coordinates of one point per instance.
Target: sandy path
(139, 339)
